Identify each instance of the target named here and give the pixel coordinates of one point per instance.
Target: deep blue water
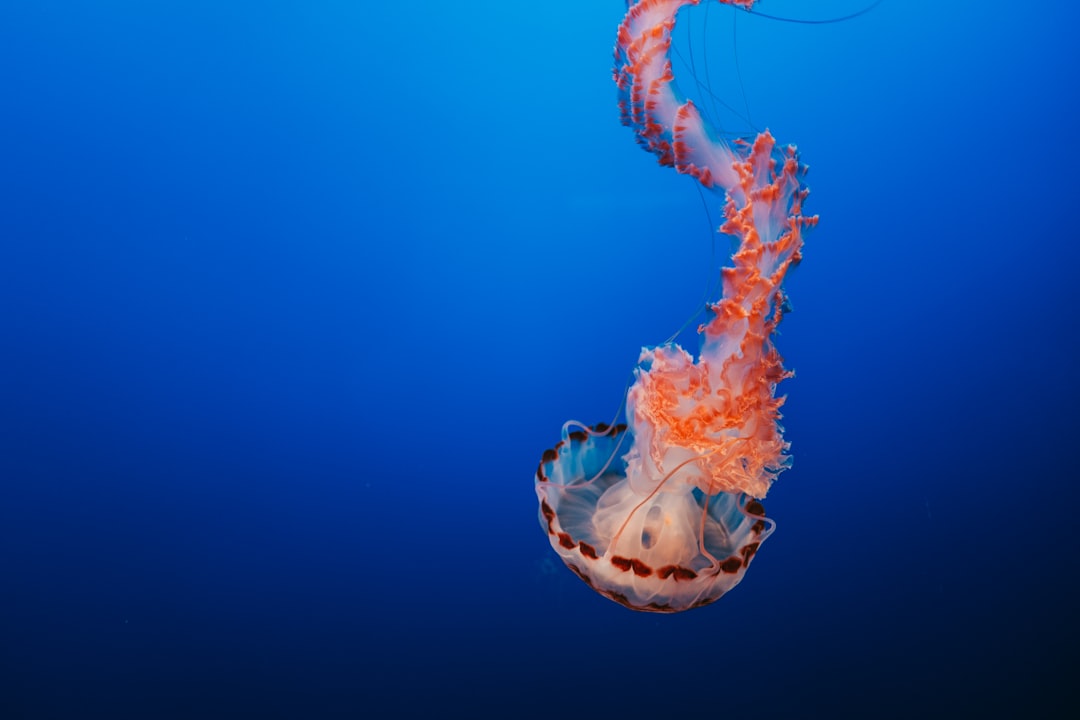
(295, 295)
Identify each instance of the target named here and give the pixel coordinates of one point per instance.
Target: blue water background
(295, 294)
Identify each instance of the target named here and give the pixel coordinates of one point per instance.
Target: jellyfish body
(665, 551)
(663, 514)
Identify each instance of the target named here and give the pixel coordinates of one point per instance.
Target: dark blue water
(295, 294)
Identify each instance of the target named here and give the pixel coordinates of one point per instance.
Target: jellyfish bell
(664, 550)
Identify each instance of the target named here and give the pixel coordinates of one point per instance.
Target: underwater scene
(425, 359)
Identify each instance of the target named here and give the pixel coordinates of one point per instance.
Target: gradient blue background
(295, 294)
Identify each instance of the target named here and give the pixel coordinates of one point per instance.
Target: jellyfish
(663, 513)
